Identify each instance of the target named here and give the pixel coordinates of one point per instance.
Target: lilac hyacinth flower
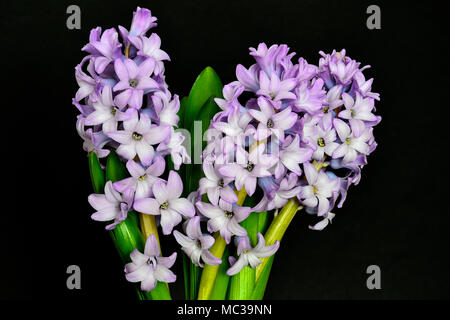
(138, 137)
(319, 190)
(141, 23)
(291, 156)
(332, 101)
(224, 218)
(142, 179)
(319, 226)
(94, 36)
(271, 122)
(134, 80)
(287, 189)
(322, 141)
(109, 206)
(92, 141)
(167, 203)
(105, 112)
(305, 71)
(149, 47)
(85, 82)
(236, 124)
(165, 109)
(358, 112)
(215, 185)
(337, 68)
(251, 256)
(249, 167)
(351, 144)
(175, 148)
(106, 49)
(275, 89)
(150, 267)
(231, 93)
(309, 97)
(363, 86)
(248, 78)
(196, 245)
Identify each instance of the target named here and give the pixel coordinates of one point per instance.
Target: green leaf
(194, 172)
(97, 174)
(194, 280)
(206, 85)
(186, 262)
(220, 289)
(261, 284)
(263, 221)
(161, 292)
(115, 168)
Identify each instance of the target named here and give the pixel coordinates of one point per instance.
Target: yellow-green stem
(148, 227)
(278, 227)
(210, 272)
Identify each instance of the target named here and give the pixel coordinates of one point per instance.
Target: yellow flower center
(133, 83)
(314, 189)
(137, 136)
(321, 142)
(164, 206)
(229, 214)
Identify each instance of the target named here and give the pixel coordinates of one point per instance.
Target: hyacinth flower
(251, 256)
(285, 135)
(167, 203)
(196, 244)
(127, 125)
(302, 119)
(150, 267)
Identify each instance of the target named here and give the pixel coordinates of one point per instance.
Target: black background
(397, 218)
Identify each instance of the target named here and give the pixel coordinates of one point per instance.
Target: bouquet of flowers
(224, 170)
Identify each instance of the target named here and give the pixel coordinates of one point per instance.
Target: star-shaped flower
(195, 244)
(150, 267)
(351, 144)
(134, 80)
(251, 256)
(109, 206)
(271, 122)
(142, 179)
(138, 137)
(319, 190)
(224, 218)
(167, 203)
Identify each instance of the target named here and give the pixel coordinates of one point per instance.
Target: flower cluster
(126, 106)
(123, 98)
(284, 131)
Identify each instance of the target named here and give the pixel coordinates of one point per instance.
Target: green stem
(261, 284)
(277, 229)
(209, 273)
(220, 288)
(242, 284)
